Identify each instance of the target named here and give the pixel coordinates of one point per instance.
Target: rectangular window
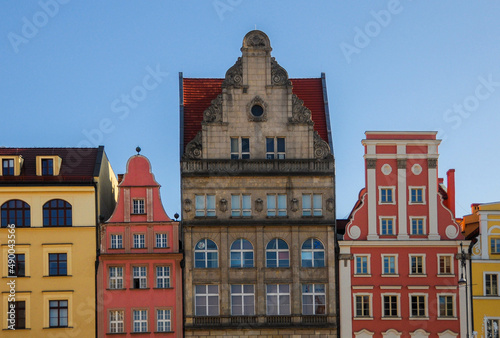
(275, 148)
(116, 242)
(417, 226)
(418, 306)
(312, 205)
(205, 205)
(240, 148)
(140, 321)
(47, 167)
(390, 303)
(58, 264)
(445, 267)
(140, 277)
(20, 315)
(389, 265)
(18, 267)
(313, 299)
(138, 206)
(417, 195)
(242, 300)
(206, 300)
(387, 226)
(116, 277)
(495, 245)
(278, 299)
(417, 265)
(492, 328)
(362, 306)
(276, 205)
(58, 313)
(386, 195)
(241, 206)
(162, 277)
(139, 241)
(361, 265)
(446, 306)
(491, 284)
(161, 240)
(116, 324)
(7, 167)
(163, 320)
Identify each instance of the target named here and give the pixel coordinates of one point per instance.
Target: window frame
(392, 220)
(58, 308)
(140, 321)
(391, 308)
(238, 210)
(201, 205)
(450, 258)
(59, 261)
(113, 241)
(207, 294)
(313, 251)
(239, 154)
(47, 166)
(424, 225)
(276, 199)
(116, 321)
(6, 214)
(411, 201)
(167, 322)
(425, 304)
(381, 190)
(6, 169)
(140, 277)
(19, 265)
(115, 279)
(365, 306)
(243, 296)
(20, 313)
(67, 208)
(160, 235)
(138, 235)
(241, 252)
(277, 251)
(488, 323)
(275, 153)
(396, 271)
(316, 295)
(419, 267)
(205, 251)
(494, 244)
(281, 309)
(166, 278)
(368, 265)
(454, 310)
(312, 208)
(138, 206)
(485, 283)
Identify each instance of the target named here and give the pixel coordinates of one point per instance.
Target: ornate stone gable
(214, 112)
(194, 148)
(321, 148)
(234, 75)
(300, 113)
(279, 76)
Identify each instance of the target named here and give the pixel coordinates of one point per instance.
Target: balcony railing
(243, 320)
(207, 321)
(279, 320)
(314, 319)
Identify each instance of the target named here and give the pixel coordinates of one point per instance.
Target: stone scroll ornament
(300, 113)
(194, 147)
(214, 112)
(259, 205)
(187, 205)
(223, 205)
(321, 148)
(234, 75)
(279, 76)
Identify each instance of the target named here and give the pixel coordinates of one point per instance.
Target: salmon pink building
(399, 272)
(139, 274)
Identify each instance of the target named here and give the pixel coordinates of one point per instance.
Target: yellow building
(51, 200)
(484, 225)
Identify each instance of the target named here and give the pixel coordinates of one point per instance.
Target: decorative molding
(330, 204)
(432, 163)
(257, 101)
(321, 148)
(416, 169)
(353, 231)
(214, 112)
(187, 205)
(300, 113)
(476, 249)
(371, 163)
(279, 76)
(386, 169)
(256, 39)
(194, 148)
(234, 75)
(294, 204)
(223, 205)
(402, 164)
(259, 205)
(452, 231)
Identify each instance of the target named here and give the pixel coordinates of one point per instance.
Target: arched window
(16, 212)
(206, 254)
(277, 254)
(57, 213)
(241, 254)
(313, 253)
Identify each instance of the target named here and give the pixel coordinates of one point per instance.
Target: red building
(139, 275)
(398, 265)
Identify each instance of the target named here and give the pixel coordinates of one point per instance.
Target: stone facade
(258, 195)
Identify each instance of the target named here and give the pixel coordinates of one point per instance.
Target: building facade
(139, 274)
(483, 228)
(257, 181)
(399, 272)
(54, 197)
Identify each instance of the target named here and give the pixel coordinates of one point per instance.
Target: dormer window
(8, 167)
(48, 165)
(11, 165)
(138, 206)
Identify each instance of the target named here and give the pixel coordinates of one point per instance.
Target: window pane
(281, 144)
(234, 145)
(245, 145)
(269, 144)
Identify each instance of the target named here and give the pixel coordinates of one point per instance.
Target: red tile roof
(198, 94)
(77, 166)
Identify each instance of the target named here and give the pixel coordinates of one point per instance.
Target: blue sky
(72, 74)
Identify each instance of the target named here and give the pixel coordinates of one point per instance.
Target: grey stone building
(258, 218)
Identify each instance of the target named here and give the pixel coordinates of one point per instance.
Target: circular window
(257, 110)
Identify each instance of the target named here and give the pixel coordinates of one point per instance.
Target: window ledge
(162, 247)
(138, 248)
(419, 318)
(142, 332)
(391, 318)
(58, 276)
(320, 216)
(139, 288)
(115, 333)
(142, 213)
(205, 217)
(363, 318)
(390, 275)
(417, 275)
(447, 318)
(16, 277)
(116, 289)
(59, 327)
(115, 249)
(362, 275)
(277, 217)
(446, 275)
(240, 217)
(164, 332)
(16, 329)
(169, 288)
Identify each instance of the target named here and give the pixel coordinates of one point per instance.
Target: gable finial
(138, 149)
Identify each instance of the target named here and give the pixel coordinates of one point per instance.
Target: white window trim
(122, 321)
(368, 266)
(394, 225)
(485, 321)
(276, 153)
(206, 295)
(313, 207)
(484, 282)
(140, 277)
(398, 297)
(424, 225)
(278, 294)
(424, 202)
(276, 209)
(111, 241)
(133, 240)
(115, 278)
(453, 295)
(396, 265)
(370, 306)
(314, 294)
(424, 265)
(240, 147)
(451, 264)
(426, 305)
(490, 237)
(205, 208)
(167, 278)
(169, 321)
(242, 294)
(393, 188)
(161, 235)
(139, 206)
(140, 320)
(241, 210)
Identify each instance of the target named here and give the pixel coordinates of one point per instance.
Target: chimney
(450, 177)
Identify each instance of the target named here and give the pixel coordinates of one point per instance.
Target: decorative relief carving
(294, 205)
(194, 147)
(321, 148)
(432, 163)
(354, 231)
(257, 101)
(452, 231)
(223, 205)
(259, 205)
(279, 76)
(371, 163)
(386, 169)
(330, 204)
(256, 40)
(187, 205)
(234, 75)
(416, 169)
(402, 164)
(476, 249)
(300, 113)
(214, 112)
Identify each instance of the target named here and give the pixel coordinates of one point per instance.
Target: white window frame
(316, 295)
(273, 202)
(496, 273)
(312, 251)
(396, 271)
(138, 206)
(281, 310)
(115, 278)
(116, 241)
(140, 317)
(243, 295)
(202, 208)
(277, 251)
(392, 189)
(162, 239)
(424, 225)
(116, 321)
(493, 238)
(163, 274)
(204, 249)
(165, 321)
(237, 202)
(426, 306)
(139, 241)
(368, 267)
(241, 253)
(312, 208)
(140, 272)
(393, 219)
(486, 320)
(410, 201)
(239, 153)
(355, 305)
(450, 257)
(453, 297)
(274, 153)
(416, 256)
(206, 294)
(398, 305)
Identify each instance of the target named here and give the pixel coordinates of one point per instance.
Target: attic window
(257, 110)
(8, 167)
(11, 165)
(138, 206)
(48, 165)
